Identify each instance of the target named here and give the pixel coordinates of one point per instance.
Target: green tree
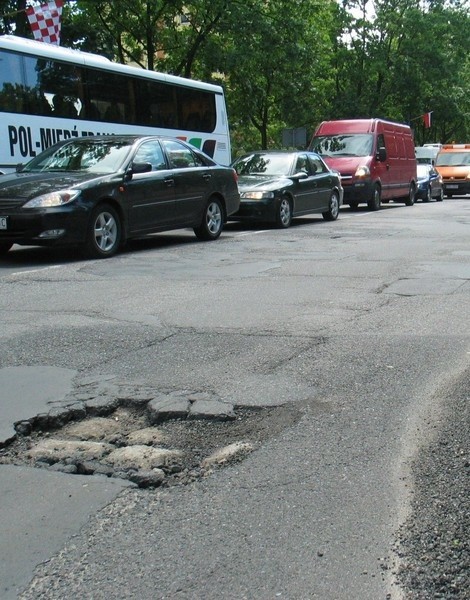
(13, 17)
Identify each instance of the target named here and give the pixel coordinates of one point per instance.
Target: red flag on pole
(427, 120)
(45, 21)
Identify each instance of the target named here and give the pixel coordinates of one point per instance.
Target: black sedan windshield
(264, 164)
(82, 155)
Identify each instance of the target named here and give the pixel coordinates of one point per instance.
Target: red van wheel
(375, 200)
(410, 199)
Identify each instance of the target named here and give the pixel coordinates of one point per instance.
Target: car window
(180, 156)
(151, 152)
(317, 166)
(302, 165)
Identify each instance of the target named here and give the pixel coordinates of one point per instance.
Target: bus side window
(113, 113)
(90, 111)
(63, 107)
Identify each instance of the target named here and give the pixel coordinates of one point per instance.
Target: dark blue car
(429, 183)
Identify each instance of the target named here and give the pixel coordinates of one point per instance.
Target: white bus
(48, 94)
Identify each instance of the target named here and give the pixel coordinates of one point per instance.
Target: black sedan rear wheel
(104, 233)
(212, 221)
(440, 198)
(333, 208)
(284, 213)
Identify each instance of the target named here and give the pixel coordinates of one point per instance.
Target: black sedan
(276, 186)
(429, 183)
(98, 192)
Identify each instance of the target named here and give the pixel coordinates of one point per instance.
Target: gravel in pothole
(125, 444)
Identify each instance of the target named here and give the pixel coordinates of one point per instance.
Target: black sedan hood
(265, 182)
(30, 185)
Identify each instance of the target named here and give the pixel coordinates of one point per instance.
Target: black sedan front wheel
(284, 213)
(333, 208)
(104, 233)
(212, 221)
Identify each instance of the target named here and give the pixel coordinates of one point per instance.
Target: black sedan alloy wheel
(212, 221)
(284, 213)
(333, 209)
(104, 233)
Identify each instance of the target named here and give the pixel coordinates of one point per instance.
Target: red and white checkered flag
(45, 21)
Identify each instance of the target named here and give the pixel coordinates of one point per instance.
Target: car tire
(104, 233)
(375, 200)
(410, 199)
(212, 221)
(440, 198)
(428, 196)
(4, 247)
(333, 208)
(284, 213)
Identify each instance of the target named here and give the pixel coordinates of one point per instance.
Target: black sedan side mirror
(299, 175)
(140, 167)
(137, 167)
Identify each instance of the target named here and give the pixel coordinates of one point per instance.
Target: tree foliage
(291, 63)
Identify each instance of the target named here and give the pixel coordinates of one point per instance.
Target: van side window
(380, 141)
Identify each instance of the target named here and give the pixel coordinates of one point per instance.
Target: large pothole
(151, 446)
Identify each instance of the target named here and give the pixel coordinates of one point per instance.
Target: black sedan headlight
(52, 199)
(256, 195)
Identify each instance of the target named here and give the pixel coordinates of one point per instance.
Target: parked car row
(98, 192)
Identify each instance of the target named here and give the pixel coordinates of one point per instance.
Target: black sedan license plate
(3, 222)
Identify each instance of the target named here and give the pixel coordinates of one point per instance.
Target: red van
(376, 159)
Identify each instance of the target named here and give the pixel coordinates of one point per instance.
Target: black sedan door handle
(207, 176)
(169, 182)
